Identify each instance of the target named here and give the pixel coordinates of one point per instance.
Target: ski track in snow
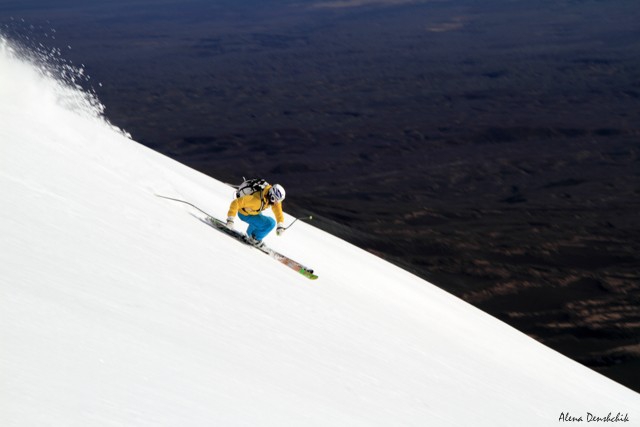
(121, 308)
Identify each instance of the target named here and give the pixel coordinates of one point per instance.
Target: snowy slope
(122, 309)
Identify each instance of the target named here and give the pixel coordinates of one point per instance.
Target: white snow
(118, 308)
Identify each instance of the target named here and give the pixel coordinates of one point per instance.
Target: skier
(249, 208)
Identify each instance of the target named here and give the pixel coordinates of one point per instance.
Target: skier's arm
(277, 211)
(233, 208)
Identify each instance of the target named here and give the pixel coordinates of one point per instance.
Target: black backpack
(251, 186)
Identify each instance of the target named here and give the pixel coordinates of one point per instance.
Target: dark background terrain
(491, 147)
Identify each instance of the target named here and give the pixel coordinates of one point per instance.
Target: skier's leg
(259, 225)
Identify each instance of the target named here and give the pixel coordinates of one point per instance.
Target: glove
(280, 229)
(230, 222)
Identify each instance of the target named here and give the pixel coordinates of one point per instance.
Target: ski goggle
(275, 195)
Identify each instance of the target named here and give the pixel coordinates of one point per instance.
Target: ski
(221, 226)
(283, 259)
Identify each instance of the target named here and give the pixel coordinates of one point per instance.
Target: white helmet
(276, 194)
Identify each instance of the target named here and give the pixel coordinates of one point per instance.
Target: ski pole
(207, 214)
(186, 203)
(295, 219)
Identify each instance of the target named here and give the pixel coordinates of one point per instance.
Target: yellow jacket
(253, 204)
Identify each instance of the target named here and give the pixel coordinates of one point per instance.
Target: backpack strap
(262, 198)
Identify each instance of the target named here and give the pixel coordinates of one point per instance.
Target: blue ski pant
(259, 225)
